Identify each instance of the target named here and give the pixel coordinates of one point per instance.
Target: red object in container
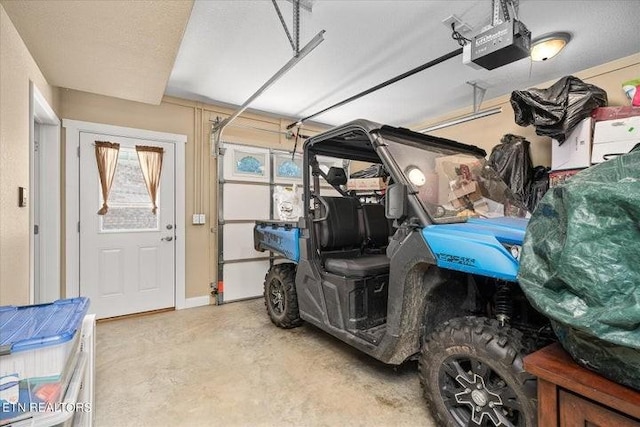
(49, 393)
(614, 113)
(636, 98)
(559, 177)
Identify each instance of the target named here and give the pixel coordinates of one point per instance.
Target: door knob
(167, 239)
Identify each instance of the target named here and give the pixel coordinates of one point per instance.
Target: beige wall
(191, 119)
(17, 69)
(486, 132)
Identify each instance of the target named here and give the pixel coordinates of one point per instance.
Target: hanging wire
(295, 144)
(462, 40)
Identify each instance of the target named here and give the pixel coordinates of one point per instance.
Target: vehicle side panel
(470, 251)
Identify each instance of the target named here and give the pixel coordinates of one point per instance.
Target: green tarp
(580, 266)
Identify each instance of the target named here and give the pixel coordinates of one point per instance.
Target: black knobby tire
(472, 374)
(280, 296)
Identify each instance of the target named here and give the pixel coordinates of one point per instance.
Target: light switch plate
(199, 219)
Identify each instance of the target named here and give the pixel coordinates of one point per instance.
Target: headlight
(416, 176)
(515, 251)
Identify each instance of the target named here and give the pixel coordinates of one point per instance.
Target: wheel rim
(276, 297)
(476, 395)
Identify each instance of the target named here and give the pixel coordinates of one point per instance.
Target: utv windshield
(453, 186)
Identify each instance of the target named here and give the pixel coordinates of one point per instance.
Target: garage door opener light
(549, 45)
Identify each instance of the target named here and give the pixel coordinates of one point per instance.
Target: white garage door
(244, 197)
(247, 177)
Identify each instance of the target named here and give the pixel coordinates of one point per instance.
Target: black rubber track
(487, 343)
(283, 276)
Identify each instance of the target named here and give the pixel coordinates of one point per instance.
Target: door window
(130, 208)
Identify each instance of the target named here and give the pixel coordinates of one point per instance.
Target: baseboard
(196, 302)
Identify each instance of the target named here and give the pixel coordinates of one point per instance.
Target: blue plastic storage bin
(38, 352)
(36, 340)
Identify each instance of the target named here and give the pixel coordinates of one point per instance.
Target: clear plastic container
(38, 354)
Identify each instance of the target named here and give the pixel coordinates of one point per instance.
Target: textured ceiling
(124, 49)
(231, 48)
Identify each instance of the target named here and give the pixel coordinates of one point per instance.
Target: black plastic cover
(511, 159)
(538, 187)
(555, 111)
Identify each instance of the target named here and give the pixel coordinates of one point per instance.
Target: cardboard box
(610, 150)
(612, 138)
(617, 130)
(575, 152)
(466, 189)
(448, 169)
(462, 190)
(458, 204)
(370, 184)
(464, 194)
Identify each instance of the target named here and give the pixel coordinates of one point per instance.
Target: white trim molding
(72, 186)
(196, 302)
(49, 201)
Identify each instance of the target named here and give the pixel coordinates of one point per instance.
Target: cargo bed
(280, 237)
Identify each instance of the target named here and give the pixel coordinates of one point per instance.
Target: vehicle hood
(506, 230)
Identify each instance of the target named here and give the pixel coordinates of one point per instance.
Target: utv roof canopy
(354, 141)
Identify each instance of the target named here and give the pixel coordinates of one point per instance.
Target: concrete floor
(229, 366)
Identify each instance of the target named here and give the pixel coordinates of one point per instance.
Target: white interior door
(127, 256)
(35, 201)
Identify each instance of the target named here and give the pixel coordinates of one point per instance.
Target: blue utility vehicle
(422, 267)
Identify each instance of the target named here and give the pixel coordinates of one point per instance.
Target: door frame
(49, 201)
(72, 189)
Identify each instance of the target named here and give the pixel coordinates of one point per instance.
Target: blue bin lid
(36, 326)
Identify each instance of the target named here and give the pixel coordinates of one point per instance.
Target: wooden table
(570, 395)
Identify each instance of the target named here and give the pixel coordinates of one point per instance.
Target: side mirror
(396, 201)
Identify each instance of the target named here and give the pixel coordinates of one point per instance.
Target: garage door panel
(250, 175)
(286, 170)
(245, 202)
(245, 163)
(244, 280)
(238, 242)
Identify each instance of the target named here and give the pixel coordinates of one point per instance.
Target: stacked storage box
(612, 138)
(573, 155)
(39, 354)
(610, 132)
